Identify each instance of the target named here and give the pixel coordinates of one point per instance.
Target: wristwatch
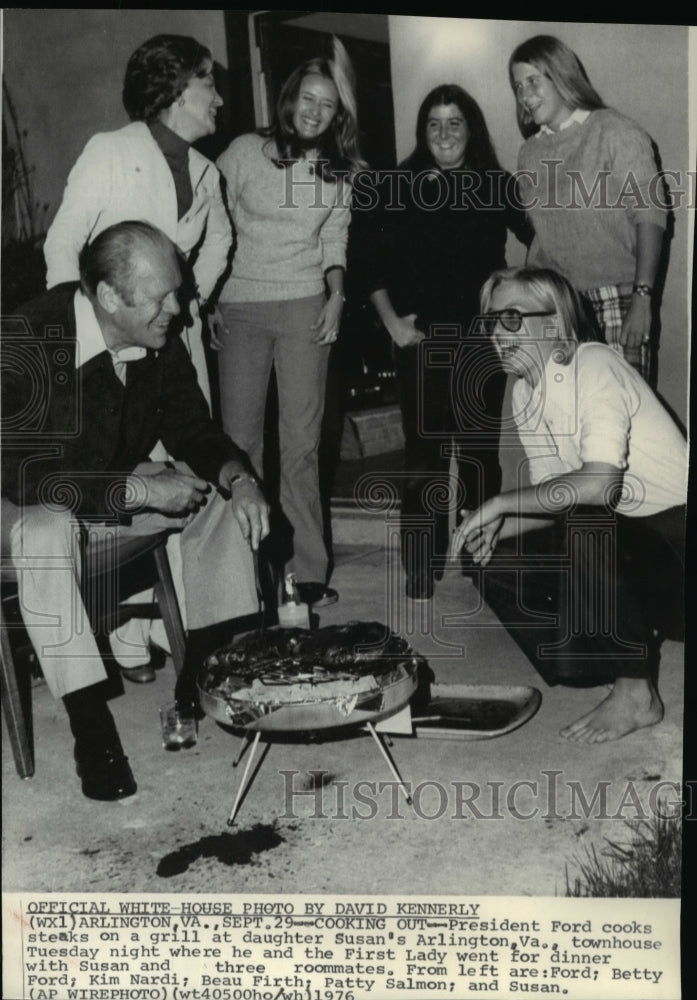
(643, 290)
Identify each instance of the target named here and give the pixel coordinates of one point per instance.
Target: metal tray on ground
(474, 711)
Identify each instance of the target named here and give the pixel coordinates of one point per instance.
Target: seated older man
(75, 465)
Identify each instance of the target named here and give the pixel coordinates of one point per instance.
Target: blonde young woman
(606, 502)
(588, 176)
(288, 191)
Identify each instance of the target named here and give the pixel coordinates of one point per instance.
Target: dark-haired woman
(439, 231)
(288, 191)
(148, 171)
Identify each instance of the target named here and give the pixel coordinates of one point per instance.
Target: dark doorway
(285, 41)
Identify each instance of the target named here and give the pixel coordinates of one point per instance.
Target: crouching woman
(583, 562)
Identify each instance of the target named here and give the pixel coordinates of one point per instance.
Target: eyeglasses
(510, 319)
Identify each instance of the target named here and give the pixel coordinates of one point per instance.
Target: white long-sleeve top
(123, 175)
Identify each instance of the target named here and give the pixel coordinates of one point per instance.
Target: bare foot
(632, 704)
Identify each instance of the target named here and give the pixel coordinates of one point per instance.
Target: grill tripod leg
(390, 763)
(243, 783)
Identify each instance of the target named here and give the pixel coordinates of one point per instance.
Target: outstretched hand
(251, 510)
(477, 533)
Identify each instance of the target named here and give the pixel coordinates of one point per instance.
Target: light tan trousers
(45, 545)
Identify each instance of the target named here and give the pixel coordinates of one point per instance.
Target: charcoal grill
(288, 681)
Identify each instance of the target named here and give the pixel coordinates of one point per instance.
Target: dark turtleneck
(176, 151)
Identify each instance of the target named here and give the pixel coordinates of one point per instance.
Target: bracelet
(340, 294)
(240, 477)
(643, 290)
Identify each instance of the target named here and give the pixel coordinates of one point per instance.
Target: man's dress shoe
(105, 773)
(144, 673)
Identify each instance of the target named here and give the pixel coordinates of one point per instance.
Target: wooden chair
(16, 709)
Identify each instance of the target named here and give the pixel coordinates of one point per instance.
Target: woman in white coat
(149, 171)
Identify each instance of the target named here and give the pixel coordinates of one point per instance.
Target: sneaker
(317, 595)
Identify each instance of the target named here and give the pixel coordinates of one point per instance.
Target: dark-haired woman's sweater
(432, 238)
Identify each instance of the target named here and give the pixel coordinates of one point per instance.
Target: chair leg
(12, 706)
(166, 597)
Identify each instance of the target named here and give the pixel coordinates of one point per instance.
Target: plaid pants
(610, 308)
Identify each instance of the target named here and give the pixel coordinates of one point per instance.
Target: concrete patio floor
(172, 836)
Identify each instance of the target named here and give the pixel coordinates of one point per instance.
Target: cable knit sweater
(586, 188)
(290, 226)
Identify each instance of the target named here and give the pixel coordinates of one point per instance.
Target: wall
(64, 70)
(641, 70)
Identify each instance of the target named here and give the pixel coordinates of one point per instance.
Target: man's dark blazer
(71, 436)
